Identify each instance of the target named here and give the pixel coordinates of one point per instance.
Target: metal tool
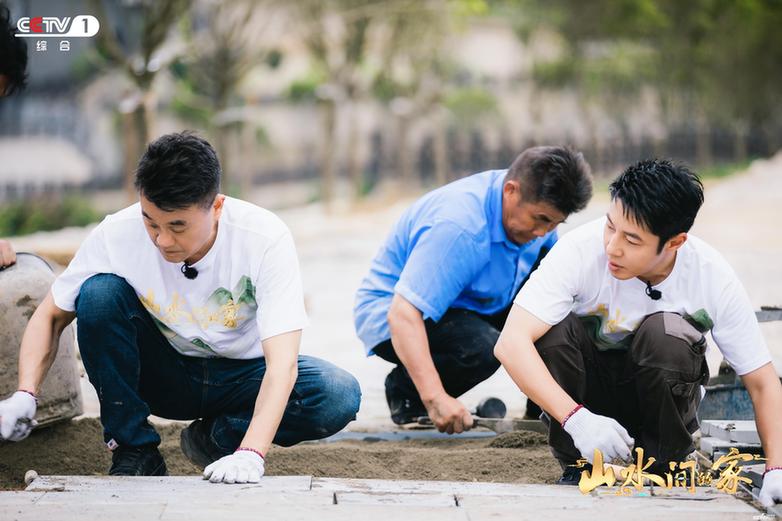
(490, 414)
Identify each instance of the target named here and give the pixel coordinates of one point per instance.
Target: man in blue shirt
(439, 289)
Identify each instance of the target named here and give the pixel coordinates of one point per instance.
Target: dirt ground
(76, 448)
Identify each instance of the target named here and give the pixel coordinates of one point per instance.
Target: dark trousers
(136, 373)
(462, 347)
(652, 389)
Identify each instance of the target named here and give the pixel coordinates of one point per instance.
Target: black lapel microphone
(191, 273)
(654, 294)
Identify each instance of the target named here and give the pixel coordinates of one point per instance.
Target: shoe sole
(160, 470)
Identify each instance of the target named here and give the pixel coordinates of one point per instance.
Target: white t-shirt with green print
(574, 277)
(248, 286)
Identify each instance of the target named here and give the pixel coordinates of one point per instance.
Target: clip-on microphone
(654, 294)
(189, 271)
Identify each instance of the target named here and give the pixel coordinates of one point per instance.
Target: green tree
(225, 41)
(139, 55)
(710, 61)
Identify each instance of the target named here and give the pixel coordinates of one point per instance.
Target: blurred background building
(339, 100)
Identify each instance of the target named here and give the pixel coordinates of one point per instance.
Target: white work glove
(16, 416)
(243, 466)
(591, 431)
(771, 491)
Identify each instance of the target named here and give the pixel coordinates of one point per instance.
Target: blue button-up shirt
(448, 250)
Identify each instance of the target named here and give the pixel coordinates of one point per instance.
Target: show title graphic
(724, 474)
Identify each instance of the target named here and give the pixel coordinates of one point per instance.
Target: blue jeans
(136, 373)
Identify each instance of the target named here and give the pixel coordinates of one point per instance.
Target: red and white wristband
(769, 469)
(571, 413)
(249, 449)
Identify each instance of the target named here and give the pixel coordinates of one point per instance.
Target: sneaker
(145, 460)
(403, 410)
(533, 411)
(197, 445)
(572, 475)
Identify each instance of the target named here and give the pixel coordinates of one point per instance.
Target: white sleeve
(550, 292)
(281, 297)
(91, 258)
(736, 331)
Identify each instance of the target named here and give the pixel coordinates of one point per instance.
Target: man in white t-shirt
(189, 306)
(607, 335)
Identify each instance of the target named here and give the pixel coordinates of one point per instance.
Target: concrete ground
(304, 498)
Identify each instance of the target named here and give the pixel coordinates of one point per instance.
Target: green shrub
(45, 214)
(304, 89)
(723, 169)
(471, 104)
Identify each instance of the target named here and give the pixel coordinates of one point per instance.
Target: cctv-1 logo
(80, 26)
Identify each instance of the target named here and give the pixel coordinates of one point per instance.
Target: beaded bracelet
(571, 413)
(30, 393)
(769, 469)
(249, 449)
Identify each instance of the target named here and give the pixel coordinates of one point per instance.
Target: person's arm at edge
(516, 352)
(281, 353)
(766, 393)
(426, 289)
(408, 336)
(40, 343)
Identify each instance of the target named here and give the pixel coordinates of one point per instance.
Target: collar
(494, 210)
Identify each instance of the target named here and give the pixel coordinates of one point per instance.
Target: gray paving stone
(451, 487)
(396, 499)
(56, 498)
(742, 431)
(171, 483)
(710, 444)
(328, 513)
(635, 512)
(81, 511)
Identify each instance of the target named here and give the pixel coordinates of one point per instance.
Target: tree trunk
(355, 165)
(328, 153)
(135, 136)
(740, 153)
(247, 155)
(598, 163)
(406, 173)
(441, 165)
(703, 151)
(772, 139)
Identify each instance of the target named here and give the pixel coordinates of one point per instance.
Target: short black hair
(13, 55)
(556, 175)
(178, 171)
(662, 196)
